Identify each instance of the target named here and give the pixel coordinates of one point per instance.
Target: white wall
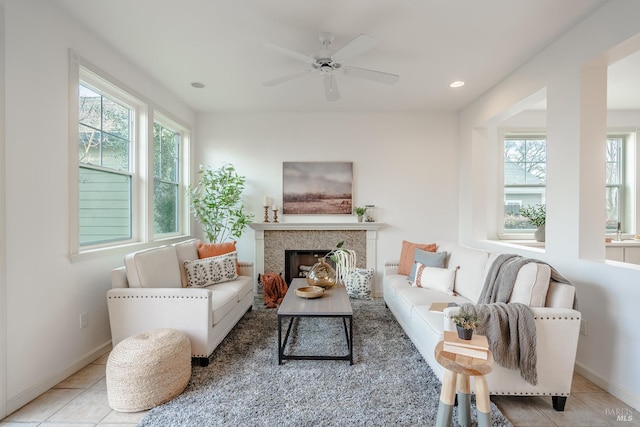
(608, 292)
(46, 292)
(403, 164)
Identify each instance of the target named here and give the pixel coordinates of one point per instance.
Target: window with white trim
(166, 178)
(105, 142)
(132, 165)
(614, 208)
(525, 180)
(525, 176)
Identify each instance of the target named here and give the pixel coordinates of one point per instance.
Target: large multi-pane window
(166, 179)
(104, 146)
(132, 171)
(525, 175)
(615, 182)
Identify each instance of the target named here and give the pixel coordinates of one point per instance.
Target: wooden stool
(463, 367)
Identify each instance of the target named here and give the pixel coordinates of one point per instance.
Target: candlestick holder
(266, 213)
(275, 215)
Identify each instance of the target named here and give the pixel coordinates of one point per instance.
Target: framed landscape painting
(317, 188)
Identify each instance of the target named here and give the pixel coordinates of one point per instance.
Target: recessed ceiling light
(197, 85)
(457, 83)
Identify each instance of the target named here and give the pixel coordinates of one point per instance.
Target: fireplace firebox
(297, 263)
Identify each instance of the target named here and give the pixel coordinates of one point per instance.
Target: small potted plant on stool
(466, 323)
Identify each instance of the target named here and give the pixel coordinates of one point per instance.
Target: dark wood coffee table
(333, 303)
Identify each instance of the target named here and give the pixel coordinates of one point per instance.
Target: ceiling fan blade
(290, 53)
(376, 76)
(286, 78)
(355, 47)
(331, 88)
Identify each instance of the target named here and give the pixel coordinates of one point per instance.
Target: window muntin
(525, 173)
(105, 180)
(166, 179)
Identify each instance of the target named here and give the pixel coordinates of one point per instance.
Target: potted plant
(466, 323)
(216, 202)
(537, 215)
(360, 211)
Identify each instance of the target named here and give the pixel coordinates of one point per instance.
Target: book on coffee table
(477, 346)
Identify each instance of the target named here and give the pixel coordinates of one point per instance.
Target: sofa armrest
(245, 269)
(119, 278)
(546, 314)
(391, 267)
(136, 310)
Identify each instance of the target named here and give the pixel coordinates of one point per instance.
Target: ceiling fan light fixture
(457, 83)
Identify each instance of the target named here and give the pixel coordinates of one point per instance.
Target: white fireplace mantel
(371, 229)
(260, 226)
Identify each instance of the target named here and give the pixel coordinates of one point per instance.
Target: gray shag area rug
(388, 384)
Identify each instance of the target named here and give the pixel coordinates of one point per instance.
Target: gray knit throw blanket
(509, 327)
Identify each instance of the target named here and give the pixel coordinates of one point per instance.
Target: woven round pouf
(148, 369)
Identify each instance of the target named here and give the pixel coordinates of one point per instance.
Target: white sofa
(557, 323)
(151, 292)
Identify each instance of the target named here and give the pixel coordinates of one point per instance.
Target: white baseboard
(623, 394)
(16, 402)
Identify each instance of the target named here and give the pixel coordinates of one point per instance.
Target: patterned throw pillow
(430, 259)
(358, 283)
(209, 271)
(439, 279)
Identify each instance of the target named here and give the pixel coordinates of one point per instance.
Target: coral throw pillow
(207, 250)
(407, 255)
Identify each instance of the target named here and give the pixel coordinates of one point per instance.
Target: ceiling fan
(328, 61)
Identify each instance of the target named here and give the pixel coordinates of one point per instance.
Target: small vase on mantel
(540, 233)
(322, 274)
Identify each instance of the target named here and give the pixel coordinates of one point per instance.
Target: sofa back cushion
(153, 268)
(470, 264)
(186, 251)
(531, 285)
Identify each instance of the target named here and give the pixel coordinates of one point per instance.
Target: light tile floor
(81, 401)
(588, 406)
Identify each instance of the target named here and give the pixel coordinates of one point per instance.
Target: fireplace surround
(272, 239)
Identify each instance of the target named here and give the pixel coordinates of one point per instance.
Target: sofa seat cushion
(392, 282)
(411, 297)
(435, 320)
(240, 287)
(153, 268)
(224, 300)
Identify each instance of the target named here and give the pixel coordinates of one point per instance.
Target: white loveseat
(151, 292)
(557, 323)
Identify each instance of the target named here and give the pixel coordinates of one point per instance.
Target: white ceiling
(429, 43)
